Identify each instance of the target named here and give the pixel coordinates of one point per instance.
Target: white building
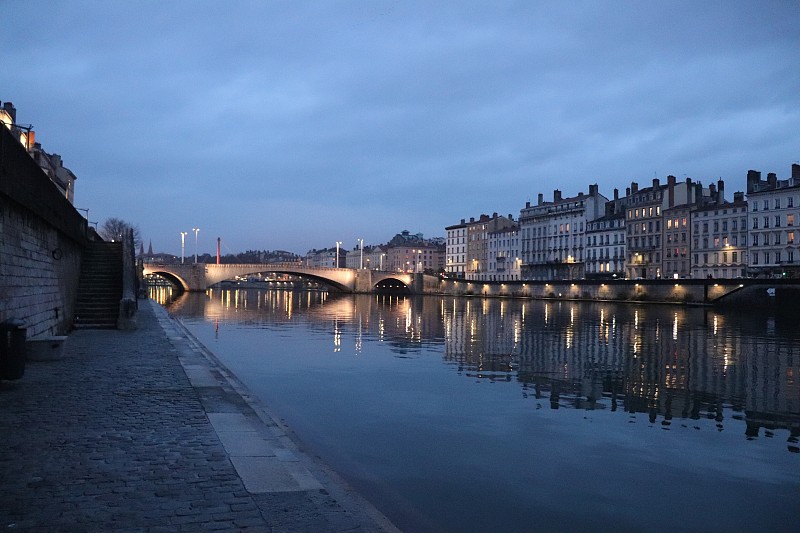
(374, 257)
(356, 258)
(456, 250)
(504, 260)
(553, 234)
(325, 258)
(774, 214)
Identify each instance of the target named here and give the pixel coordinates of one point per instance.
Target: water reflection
(471, 414)
(674, 365)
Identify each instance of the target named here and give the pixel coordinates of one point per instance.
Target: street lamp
(361, 247)
(381, 265)
(183, 243)
(336, 261)
(196, 231)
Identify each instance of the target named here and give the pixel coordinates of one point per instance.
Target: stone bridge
(200, 276)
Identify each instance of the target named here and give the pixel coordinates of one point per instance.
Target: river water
(470, 414)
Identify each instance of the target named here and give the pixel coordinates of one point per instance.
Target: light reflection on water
(607, 417)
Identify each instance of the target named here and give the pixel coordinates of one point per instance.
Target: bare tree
(114, 228)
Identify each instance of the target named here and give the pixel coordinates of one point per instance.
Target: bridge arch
(171, 277)
(392, 284)
(304, 275)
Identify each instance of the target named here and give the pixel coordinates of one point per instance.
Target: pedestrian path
(145, 431)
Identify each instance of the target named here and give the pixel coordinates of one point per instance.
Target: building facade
(643, 231)
(456, 250)
(719, 236)
(605, 245)
(504, 262)
(553, 234)
(774, 214)
(477, 260)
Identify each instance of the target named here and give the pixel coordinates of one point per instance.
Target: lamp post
(336, 261)
(196, 231)
(183, 243)
(361, 247)
(382, 255)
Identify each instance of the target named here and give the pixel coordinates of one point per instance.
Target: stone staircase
(100, 286)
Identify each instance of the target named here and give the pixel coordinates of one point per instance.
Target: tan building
(477, 260)
(648, 211)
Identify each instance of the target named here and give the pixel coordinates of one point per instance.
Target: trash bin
(12, 348)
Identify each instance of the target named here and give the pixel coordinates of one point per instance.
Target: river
(470, 414)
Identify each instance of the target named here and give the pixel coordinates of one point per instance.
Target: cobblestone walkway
(144, 431)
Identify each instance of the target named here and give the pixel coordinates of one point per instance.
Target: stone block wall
(39, 271)
(42, 238)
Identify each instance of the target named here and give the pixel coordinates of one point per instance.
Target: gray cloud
(292, 125)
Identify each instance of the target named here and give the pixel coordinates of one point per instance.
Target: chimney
(463, 221)
(671, 191)
(627, 191)
(494, 215)
(471, 220)
(11, 110)
(698, 193)
(634, 187)
(772, 179)
(527, 205)
(556, 195)
(510, 216)
(593, 190)
(656, 183)
(541, 199)
(796, 172)
(720, 191)
(712, 190)
(738, 197)
(753, 177)
(616, 194)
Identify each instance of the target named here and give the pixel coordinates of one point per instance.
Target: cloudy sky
(292, 125)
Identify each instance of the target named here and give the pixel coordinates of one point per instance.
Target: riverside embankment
(743, 293)
(144, 430)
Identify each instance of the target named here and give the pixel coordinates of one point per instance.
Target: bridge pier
(363, 281)
(197, 278)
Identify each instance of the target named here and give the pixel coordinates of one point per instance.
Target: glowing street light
(196, 231)
(361, 247)
(336, 261)
(183, 243)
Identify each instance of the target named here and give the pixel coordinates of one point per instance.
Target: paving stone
(118, 435)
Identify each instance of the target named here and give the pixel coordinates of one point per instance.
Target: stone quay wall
(42, 238)
(671, 291)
